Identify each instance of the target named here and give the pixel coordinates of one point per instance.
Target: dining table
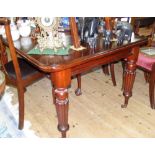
(62, 67)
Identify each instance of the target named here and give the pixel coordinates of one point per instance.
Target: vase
(24, 28)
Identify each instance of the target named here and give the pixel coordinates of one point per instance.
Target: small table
(2, 83)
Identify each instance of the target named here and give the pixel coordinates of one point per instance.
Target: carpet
(9, 119)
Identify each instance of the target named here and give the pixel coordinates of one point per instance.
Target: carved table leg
(78, 91)
(129, 75)
(53, 94)
(61, 80)
(62, 110)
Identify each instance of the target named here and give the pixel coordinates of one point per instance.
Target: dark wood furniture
(141, 22)
(62, 68)
(147, 62)
(18, 71)
(137, 23)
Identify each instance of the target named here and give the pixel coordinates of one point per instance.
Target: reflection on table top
(23, 45)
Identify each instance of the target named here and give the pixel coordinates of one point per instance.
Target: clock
(48, 23)
(49, 36)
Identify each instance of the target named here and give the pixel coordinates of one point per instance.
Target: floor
(97, 112)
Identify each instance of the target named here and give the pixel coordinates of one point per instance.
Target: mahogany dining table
(62, 68)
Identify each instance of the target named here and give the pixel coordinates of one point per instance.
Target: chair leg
(105, 69)
(21, 107)
(25, 90)
(106, 72)
(146, 76)
(151, 90)
(78, 91)
(112, 74)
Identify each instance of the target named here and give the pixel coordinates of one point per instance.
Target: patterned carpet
(9, 119)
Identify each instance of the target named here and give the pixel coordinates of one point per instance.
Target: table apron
(83, 67)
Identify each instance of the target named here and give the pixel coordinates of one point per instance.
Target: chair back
(12, 50)
(145, 26)
(143, 22)
(152, 41)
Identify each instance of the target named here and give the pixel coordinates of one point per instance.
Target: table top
(51, 63)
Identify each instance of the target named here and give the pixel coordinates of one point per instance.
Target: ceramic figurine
(81, 25)
(108, 35)
(14, 32)
(26, 42)
(88, 29)
(24, 27)
(92, 41)
(101, 27)
(123, 31)
(17, 44)
(2, 31)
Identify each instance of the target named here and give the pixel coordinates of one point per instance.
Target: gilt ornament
(49, 36)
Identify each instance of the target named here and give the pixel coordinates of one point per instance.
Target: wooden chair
(146, 63)
(18, 72)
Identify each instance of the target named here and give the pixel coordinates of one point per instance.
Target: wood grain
(96, 113)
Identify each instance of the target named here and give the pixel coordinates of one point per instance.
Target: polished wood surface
(53, 63)
(61, 68)
(74, 32)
